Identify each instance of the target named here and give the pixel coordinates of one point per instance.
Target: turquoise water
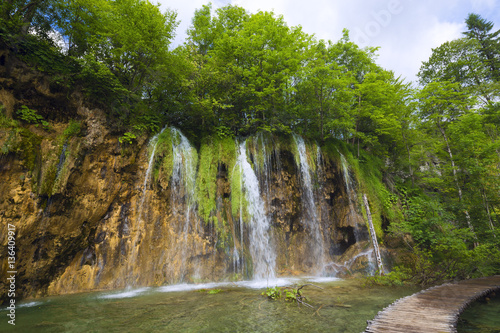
(341, 306)
(481, 317)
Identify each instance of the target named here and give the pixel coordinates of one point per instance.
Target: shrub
(31, 116)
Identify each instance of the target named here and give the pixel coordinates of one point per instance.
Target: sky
(405, 30)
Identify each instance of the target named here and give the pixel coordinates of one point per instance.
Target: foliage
(273, 293)
(99, 83)
(427, 157)
(399, 276)
(216, 154)
(73, 129)
(214, 291)
(288, 294)
(6, 122)
(31, 116)
(163, 162)
(20, 141)
(127, 137)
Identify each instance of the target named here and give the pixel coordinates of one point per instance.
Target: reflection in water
(482, 316)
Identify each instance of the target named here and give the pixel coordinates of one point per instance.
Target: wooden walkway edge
(432, 310)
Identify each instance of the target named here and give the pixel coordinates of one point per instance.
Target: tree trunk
(454, 170)
(409, 157)
(487, 207)
(374, 236)
(29, 13)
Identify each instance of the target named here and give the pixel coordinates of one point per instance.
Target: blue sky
(405, 30)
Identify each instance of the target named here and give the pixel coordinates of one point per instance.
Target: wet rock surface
(85, 220)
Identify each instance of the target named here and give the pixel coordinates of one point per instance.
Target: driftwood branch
(301, 299)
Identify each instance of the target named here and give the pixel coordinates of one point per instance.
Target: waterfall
(261, 248)
(153, 142)
(373, 236)
(183, 183)
(349, 189)
(242, 244)
(131, 261)
(349, 184)
(309, 216)
(62, 159)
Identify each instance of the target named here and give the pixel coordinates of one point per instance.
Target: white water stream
(261, 247)
(310, 215)
(183, 183)
(352, 196)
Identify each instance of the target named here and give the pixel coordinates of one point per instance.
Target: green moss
(51, 180)
(48, 180)
(236, 182)
(73, 129)
(382, 202)
(214, 151)
(7, 122)
(163, 162)
(12, 141)
(260, 147)
(367, 172)
(70, 152)
(311, 153)
(206, 184)
(29, 147)
(295, 151)
(9, 134)
(50, 176)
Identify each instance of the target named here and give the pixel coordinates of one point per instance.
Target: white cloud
(481, 4)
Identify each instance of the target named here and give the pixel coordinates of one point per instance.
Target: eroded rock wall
(85, 220)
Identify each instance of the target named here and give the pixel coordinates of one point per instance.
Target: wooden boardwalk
(432, 310)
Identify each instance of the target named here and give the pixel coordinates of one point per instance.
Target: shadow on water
(341, 306)
(482, 316)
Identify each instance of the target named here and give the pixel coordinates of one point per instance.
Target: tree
(479, 29)
(323, 94)
(130, 37)
(460, 61)
(257, 55)
(19, 16)
(207, 29)
(442, 102)
(475, 156)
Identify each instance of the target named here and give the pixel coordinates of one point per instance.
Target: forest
(435, 144)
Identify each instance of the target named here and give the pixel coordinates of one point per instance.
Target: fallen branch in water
(289, 294)
(317, 311)
(300, 299)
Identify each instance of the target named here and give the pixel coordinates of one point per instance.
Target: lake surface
(481, 317)
(341, 306)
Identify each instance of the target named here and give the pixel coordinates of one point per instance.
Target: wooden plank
(433, 310)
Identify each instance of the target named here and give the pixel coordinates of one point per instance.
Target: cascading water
(153, 142)
(182, 184)
(275, 209)
(352, 197)
(350, 191)
(310, 216)
(261, 247)
(373, 236)
(62, 159)
(262, 161)
(240, 220)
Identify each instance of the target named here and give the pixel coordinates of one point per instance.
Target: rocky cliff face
(91, 213)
